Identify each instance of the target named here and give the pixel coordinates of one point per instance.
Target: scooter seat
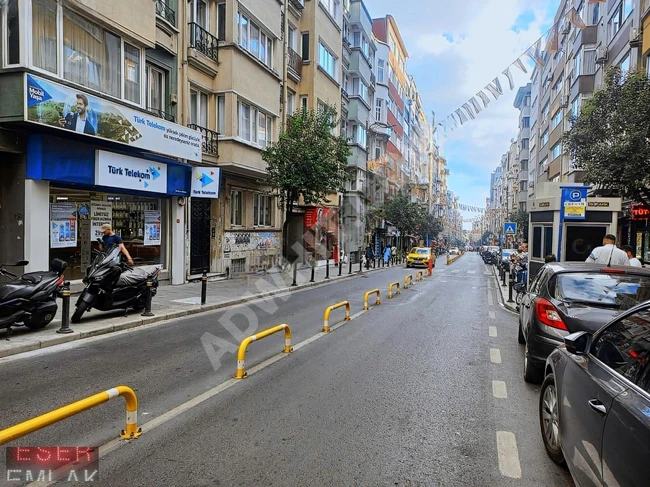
(16, 289)
(137, 275)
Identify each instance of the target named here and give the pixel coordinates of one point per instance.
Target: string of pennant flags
(469, 110)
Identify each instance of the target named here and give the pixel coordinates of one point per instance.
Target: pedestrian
(370, 255)
(550, 258)
(386, 255)
(110, 238)
(608, 253)
(634, 262)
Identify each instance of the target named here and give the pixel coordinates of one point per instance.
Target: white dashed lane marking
(495, 355)
(499, 389)
(490, 299)
(491, 314)
(493, 331)
(509, 465)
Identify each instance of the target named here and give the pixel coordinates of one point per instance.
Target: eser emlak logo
(52, 463)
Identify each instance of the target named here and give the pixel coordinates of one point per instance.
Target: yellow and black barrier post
(408, 279)
(390, 289)
(365, 298)
(326, 317)
(243, 346)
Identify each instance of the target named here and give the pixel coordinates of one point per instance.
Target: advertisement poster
(152, 227)
(55, 105)
(63, 225)
(101, 212)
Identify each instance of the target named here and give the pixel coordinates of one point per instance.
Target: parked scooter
(30, 299)
(110, 284)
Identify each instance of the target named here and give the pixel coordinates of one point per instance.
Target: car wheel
(549, 420)
(532, 373)
(520, 336)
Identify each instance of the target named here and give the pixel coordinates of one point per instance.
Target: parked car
(491, 254)
(505, 258)
(567, 297)
(454, 251)
(418, 256)
(594, 406)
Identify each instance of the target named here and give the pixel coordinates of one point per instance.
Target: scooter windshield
(109, 255)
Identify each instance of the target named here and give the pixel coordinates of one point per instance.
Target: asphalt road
(417, 391)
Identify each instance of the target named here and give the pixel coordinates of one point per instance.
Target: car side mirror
(578, 343)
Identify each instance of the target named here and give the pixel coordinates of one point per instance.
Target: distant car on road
(454, 251)
(594, 406)
(567, 297)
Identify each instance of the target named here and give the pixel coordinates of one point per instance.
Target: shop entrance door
(200, 235)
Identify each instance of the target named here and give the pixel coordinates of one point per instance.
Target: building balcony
(159, 113)
(203, 42)
(588, 35)
(166, 13)
(295, 66)
(345, 94)
(210, 139)
(299, 4)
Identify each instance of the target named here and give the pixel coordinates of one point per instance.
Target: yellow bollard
(243, 346)
(408, 279)
(326, 317)
(419, 276)
(47, 419)
(365, 298)
(390, 289)
(448, 261)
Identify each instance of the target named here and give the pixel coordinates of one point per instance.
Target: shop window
(263, 211)
(155, 89)
(44, 35)
(236, 207)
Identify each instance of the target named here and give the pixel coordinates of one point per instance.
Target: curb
(506, 305)
(172, 314)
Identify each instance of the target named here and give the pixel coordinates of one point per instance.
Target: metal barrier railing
(326, 317)
(243, 346)
(365, 298)
(390, 289)
(408, 279)
(131, 430)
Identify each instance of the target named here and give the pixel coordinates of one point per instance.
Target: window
(545, 111)
(623, 346)
(236, 207)
(326, 60)
(380, 70)
(620, 15)
(305, 46)
(556, 151)
(359, 135)
(254, 125)
(525, 143)
(625, 64)
(221, 114)
(92, 57)
(255, 40)
(11, 33)
(200, 13)
(263, 210)
(304, 102)
(379, 104)
(44, 35)
(557, 87)
(291, 102)
(221, 21)
(292, 38)
(577, 64)
(131, 73)
(356, 39)
(543, 163)
(575, 108)
(331, 6)
(557, 119)
(596, 14)
(525, 122)
(360, 88)
(199, 108)
(524, 165)
(155, 89)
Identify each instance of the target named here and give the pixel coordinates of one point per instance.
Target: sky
(456, 48)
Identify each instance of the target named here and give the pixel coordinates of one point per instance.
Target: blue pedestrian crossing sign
(510, 228)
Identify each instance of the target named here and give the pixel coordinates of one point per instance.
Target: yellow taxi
(418, 256)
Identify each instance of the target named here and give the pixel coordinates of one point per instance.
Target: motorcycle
(110, 284)
(30, 299)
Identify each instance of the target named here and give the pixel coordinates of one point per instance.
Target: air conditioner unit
(601, 55)
(635, 40)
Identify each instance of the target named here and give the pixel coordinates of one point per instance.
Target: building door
(200, 235)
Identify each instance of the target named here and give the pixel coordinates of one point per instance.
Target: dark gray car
(594, 404)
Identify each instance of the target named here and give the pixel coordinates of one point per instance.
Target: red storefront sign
(320, 216)
(640, 212)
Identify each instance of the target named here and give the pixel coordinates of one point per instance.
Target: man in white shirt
(608, 253)
(634, 262)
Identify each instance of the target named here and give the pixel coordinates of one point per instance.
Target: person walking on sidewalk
(608, 253)
(370, 255)
(386, 255)
(634, 262)
(111, 238)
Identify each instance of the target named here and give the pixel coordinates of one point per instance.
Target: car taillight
(609, 270)
(549, 315)
(60, 281)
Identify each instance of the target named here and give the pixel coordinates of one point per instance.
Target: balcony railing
(299, 4)
(295, 62)
(165, 12)
(210, 139)
(204, 42)
(159, 113)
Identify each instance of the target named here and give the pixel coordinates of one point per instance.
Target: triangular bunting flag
(484, 98)
(534, 54)
(475, 104)
(496, 93)
(469, 111)
(552, 44)
(461, 116)
(508, 74)
(574, 19)
(520, 65)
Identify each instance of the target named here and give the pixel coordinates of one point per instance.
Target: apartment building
(523, 104)
(91, 132)
(534, 134)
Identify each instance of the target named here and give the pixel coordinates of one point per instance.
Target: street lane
(403, 394)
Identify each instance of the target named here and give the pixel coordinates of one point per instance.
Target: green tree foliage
(408, 217)
(521, 219)
(307, 160)
(610, 139)
(431, 226)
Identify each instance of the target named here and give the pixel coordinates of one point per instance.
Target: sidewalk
(171, 302)
(503, 290)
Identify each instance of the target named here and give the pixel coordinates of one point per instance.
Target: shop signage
(206, 182)
(574, 202)
(599, 204)
(59, 106)
(152, 227)
(120, 171)
(545, 204)
(63, 225)
(101, 212)
(640, 212)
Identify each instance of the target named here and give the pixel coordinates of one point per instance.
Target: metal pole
(312, 273)
(360, 264)
(65, 312)
(148, 297)
(340, 266)
(510, 287)
(327, 268)
(295, 273)
(350, 262)
(204, 287)
(503, 274)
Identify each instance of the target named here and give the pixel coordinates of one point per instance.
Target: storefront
(634, 229)
(321, 232)
(86, 187)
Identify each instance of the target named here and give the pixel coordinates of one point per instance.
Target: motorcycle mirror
(21, 263)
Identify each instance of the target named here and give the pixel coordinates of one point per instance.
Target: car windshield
(507, 252)
(620, 290)
(419, 251)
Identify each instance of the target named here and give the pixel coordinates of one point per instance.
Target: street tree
(307, 161)
(521, 219)
(610, 139)
(431, 226)
(406, 215)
